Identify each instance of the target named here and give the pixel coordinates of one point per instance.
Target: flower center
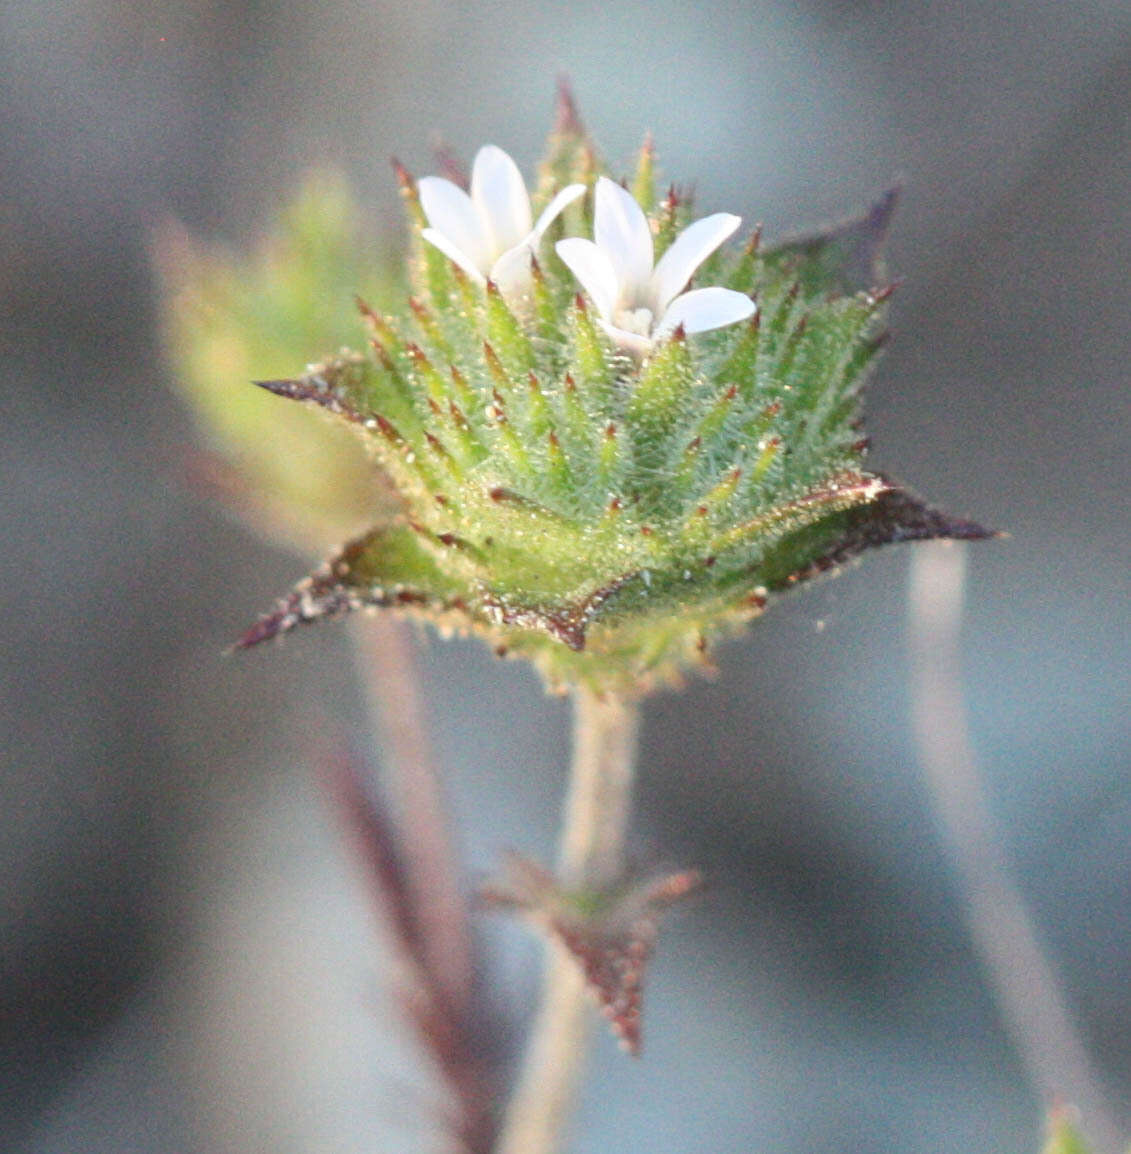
(638, 321)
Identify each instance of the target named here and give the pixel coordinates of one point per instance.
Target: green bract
(228, 318)
(608, 513)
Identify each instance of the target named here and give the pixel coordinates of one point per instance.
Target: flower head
(489, 232)
(640, 304)
(608, 517)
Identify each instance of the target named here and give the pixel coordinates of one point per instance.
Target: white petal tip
(702, 310)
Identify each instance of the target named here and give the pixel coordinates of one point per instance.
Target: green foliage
(231, 318)
(1063, 1135)
(606, 516)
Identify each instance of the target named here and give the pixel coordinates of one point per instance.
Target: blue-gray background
(187, 962)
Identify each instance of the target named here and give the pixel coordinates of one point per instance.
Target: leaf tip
(567, 121)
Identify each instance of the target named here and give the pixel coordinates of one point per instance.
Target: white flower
(489, 233)
(638, 304)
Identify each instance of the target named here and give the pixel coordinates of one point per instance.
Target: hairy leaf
(611, 933)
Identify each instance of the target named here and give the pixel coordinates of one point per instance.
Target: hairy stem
(591, 854)
(600, 790)
(1029, 996)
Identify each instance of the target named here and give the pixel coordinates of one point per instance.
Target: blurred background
(187, 958)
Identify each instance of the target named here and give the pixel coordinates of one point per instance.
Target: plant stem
(1029, 996)
(387, 661)
(591, 853)
(437, 941)
(600, 790)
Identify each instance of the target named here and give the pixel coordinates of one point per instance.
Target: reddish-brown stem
(388, 663)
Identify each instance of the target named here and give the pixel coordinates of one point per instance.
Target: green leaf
(390, 567)
(843, 259)
(893, 516)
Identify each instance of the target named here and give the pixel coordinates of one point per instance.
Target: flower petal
(687, 252)
(449, 211)
(500, 197)
(550, 213)
(441, 241)
(621, 231)
(703, 309)
(635, 343)
(592, 267)
(512, 272)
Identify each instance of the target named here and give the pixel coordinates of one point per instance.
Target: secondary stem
(390, 671)
(591, 853)
(387, 658)
(1032, 1002)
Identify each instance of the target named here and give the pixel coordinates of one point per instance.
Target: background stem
(591, 853)
(1029, 997)
(387, 662)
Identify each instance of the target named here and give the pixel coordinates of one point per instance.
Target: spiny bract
(608, 514)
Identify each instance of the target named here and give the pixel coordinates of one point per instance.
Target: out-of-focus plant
(1064, 1136)
(230, 318)
(583, 426)
(299, 480)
